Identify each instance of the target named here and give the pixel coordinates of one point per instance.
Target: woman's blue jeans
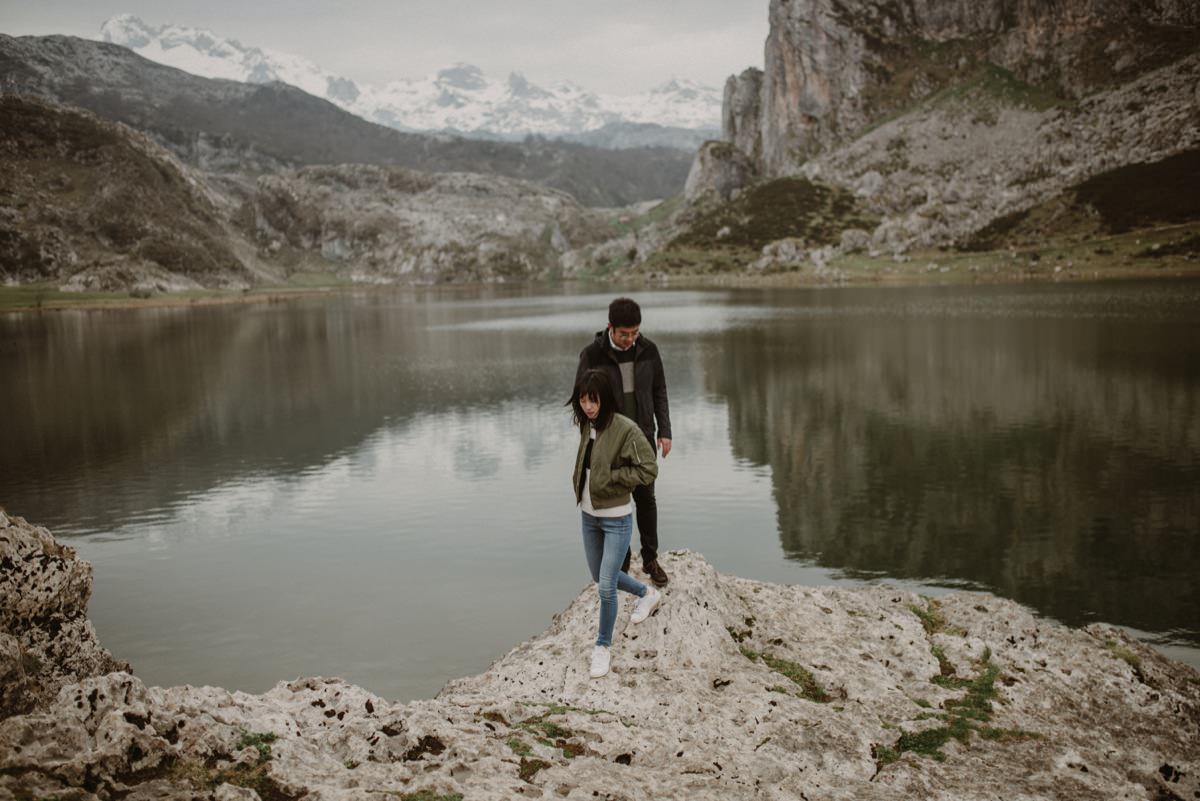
(605, 541)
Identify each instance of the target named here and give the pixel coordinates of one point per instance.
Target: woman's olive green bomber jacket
(621, 460)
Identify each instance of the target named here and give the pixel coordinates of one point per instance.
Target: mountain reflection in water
(311, 479)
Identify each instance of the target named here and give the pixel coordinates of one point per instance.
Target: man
(633, 364)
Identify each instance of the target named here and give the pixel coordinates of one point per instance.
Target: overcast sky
(612, 46)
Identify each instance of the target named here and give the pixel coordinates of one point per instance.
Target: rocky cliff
(833, 67)
(946, 122)
(733, 689)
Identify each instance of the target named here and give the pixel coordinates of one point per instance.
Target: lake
(375, 484)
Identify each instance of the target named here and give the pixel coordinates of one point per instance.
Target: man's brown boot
(655, 572)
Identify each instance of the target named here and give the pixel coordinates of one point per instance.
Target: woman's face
(590, 406)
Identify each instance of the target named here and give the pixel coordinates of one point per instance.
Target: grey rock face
(732, 689)
(717, 172)
(46, 640)
(833, 67)
(741, 117)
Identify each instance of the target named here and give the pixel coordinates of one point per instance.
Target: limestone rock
(833, 67)
(46, 640)
(1038, 99)
(855, 240)
(14, 682)
(732, 689)
(784, 252)
(718, 171)
(741, 112)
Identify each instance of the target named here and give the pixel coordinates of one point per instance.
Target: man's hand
(664, 445)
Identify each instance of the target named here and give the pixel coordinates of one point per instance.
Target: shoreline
(908, 274)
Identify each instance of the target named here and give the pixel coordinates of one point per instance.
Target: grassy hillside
(78, 192)
(730, 236)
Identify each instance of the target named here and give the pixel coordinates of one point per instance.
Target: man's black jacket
(650, 387)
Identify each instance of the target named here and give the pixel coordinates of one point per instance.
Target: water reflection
(1050, 458)
(124, 413)
(315, 477)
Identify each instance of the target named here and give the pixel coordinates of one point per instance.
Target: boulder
(855, 240)
(46, 640)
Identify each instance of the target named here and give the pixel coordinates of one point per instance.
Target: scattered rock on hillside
(940, 173)
(381, 224)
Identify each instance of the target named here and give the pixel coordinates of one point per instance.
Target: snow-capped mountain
(458, 99)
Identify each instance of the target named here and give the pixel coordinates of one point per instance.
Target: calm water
(376, 486)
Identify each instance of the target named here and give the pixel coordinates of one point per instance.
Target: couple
(619, 393)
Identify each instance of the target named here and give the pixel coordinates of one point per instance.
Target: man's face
(624, 336)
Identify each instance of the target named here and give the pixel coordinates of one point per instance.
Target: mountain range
(459, 99)
(231, 126)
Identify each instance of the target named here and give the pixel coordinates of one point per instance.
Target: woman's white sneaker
(601, 657)
(645, 605)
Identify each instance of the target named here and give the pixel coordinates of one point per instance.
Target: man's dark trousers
(647, 522)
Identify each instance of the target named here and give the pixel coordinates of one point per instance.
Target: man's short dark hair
(624, 313)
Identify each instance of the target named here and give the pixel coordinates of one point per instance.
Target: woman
(614, 457)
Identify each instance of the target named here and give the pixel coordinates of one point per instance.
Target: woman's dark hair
(596, 384)
(624, 313)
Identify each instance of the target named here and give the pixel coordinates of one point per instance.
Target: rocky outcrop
(943, 118)
(378, 224)
(46, 640)
(718, 172)
(733, 689)
(833, 67)
(741, 112)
